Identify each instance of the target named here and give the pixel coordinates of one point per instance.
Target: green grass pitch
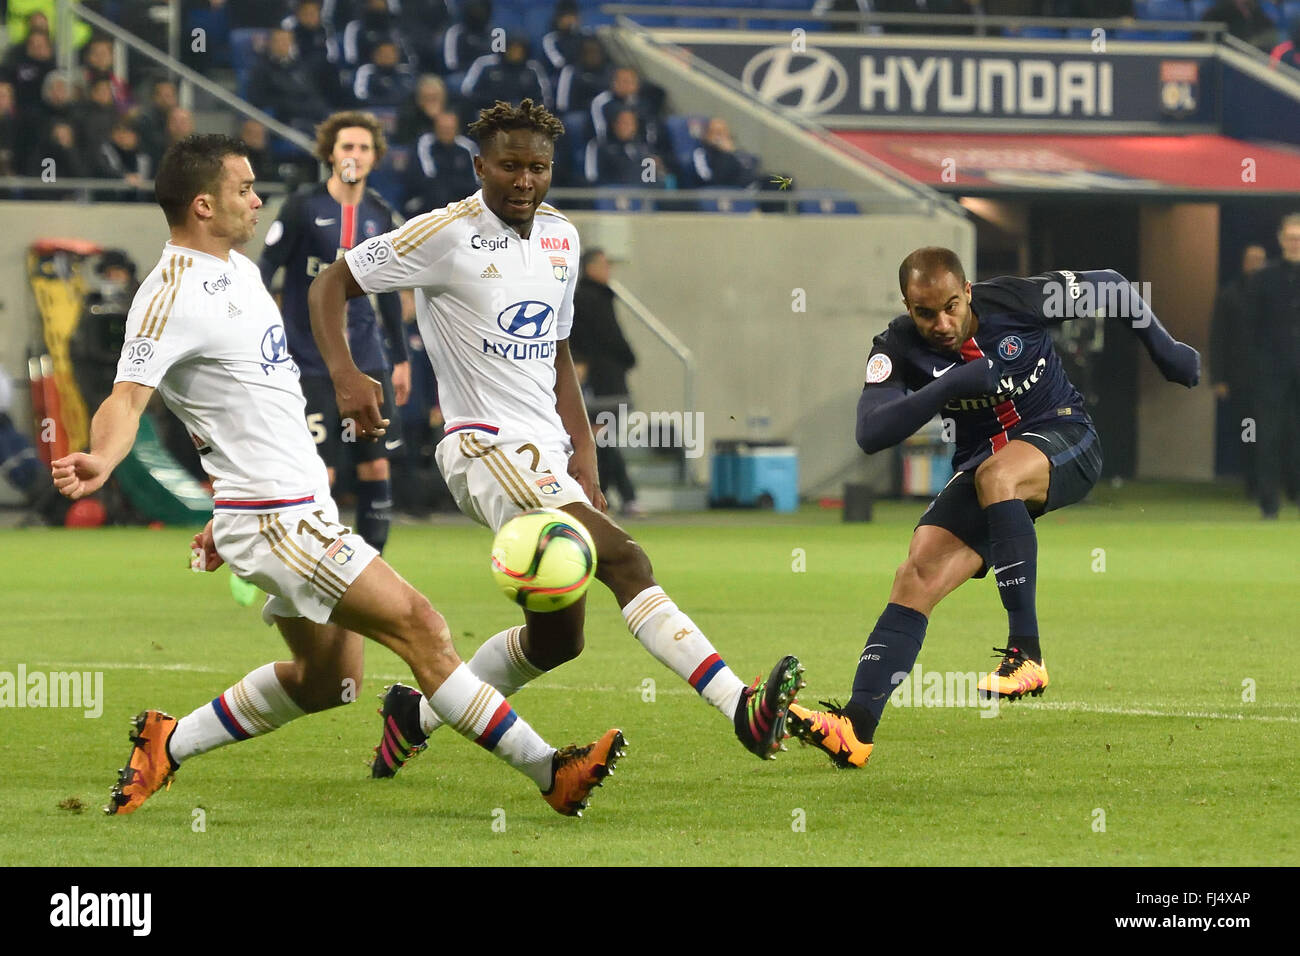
(1161, 608)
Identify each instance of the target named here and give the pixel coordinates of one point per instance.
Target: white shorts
(302, 557)
(494, 478)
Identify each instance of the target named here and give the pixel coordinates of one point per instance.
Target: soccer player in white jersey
(494, 276)
(205, 333)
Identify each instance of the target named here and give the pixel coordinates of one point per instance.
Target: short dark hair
(502, 117)
(327, 133)
(191, 167)
(587, 257)
(930, 262)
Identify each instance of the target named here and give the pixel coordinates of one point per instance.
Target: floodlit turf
(1142, 751)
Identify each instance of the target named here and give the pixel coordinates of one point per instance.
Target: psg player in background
(982, 356)
(316, 225)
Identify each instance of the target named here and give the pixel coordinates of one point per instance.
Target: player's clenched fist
(358, 397)
(78, 474)
(1181, 365)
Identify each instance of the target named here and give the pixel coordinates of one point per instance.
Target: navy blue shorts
(327, 428)
(1072, 448)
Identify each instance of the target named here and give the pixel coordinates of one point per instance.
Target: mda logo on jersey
(558, 243)
(275, 348)
(527, 320)
(1010, 347)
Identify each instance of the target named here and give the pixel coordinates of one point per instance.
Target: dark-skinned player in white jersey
(493, 277)
(981, 355)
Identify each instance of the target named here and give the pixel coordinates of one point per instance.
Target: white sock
(257, 705)
(499, 662)
(478, 711)
(673, 638)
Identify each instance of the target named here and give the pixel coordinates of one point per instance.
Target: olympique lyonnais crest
(559, 267)
(549, 485)
(340, 552)
(1010, 347)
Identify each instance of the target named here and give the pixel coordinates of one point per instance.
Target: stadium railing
(977, 23)
(665, 335)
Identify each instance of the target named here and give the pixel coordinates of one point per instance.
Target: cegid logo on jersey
(219, 284)
(491, 244)
(528, 320)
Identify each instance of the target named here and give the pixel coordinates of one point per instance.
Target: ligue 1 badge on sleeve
(559, 267)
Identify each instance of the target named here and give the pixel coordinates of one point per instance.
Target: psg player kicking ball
(981, 355)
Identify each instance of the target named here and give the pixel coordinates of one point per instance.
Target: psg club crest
(1010, 348)
(559, 267)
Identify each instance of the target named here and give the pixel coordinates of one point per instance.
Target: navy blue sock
(374, 509)
(1013, 549)
(888, 657)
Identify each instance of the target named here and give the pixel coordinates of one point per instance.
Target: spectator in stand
(584, 79)
(317, 51)
(717, 162)
(25, 67)
(465, 42)
(602, 359)
(626, 92)
(151, 120)
(418, 115)
(563, 43)
(122, 158)
(97, 64)
(9, 160)
(1246, 20)
(58, 100)
(57, 156)
(180, 124)
(254, 136)
(624, 158)
(281, 85)
(1231, 345)
(421, 23)
(443, 170)
(508, 76)
(24, 16)
(385, 81)
(1288, 52)
(96, 114)
(376, 24)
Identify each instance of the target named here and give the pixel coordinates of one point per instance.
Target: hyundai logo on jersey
(1010, 347)
(527, 320)
(275, 348)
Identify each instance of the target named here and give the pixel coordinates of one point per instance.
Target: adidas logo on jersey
(231, 311)
(490, 272)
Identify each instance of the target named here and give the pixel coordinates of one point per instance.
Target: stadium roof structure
(1206, 166)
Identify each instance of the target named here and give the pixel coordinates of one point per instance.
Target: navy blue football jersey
(1015, 317)
(310, 232)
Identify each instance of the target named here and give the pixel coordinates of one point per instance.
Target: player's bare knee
(994, 483)
(557, 651)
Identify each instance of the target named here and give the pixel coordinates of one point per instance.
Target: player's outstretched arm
(112, 433)
(1177, 361)
(358, 396)
(888, 415)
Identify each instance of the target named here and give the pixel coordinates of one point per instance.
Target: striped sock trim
(515, 651)
(227, 718)
(503, 718)
(707, 670)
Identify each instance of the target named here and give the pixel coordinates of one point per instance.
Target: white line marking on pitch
(1144, 712)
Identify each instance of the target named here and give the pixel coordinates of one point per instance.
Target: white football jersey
(490, 306)
(207, 334)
